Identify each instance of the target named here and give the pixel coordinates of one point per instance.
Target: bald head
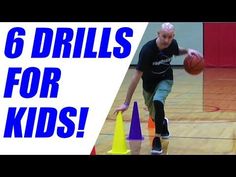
(168, 27)
(165, 35)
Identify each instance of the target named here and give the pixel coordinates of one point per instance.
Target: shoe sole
(167, 120)
(166, 136)
(156, 152)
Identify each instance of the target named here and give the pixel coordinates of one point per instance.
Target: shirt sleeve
(175, 47)
(144, 56)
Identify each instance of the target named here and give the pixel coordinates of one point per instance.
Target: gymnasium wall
(219, 94)
(220, 44)
(188, 34)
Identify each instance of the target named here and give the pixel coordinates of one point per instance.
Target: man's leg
(148, 99)
(162, 91)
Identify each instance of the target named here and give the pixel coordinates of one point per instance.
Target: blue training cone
(135, 132)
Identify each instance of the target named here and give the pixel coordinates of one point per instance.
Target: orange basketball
(193, 64)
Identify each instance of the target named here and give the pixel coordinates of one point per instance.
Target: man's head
(165, 35)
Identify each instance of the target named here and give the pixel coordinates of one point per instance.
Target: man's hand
(192, 52)
(121, 108)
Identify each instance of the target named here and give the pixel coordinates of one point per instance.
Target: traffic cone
(93, 152)
(119, 145)
(135, 132)
(151, 134)
(151, 123)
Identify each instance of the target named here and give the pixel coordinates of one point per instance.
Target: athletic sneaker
(156, 146)
(165, 133)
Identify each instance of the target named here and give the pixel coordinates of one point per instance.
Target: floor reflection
(219, 89)
(135, 146)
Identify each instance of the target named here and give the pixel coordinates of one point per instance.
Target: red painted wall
(220, 44)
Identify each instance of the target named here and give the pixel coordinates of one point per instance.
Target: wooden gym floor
(201, 111)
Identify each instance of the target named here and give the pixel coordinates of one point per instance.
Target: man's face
(166, 37)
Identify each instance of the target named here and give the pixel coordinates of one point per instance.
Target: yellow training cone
(119, 145)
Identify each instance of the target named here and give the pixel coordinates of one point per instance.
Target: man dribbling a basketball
(155, 70)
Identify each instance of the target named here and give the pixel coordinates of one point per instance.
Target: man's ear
(158, 33)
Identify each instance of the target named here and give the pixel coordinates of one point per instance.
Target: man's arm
(191, 52)
(134, 82)
(183, 51)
